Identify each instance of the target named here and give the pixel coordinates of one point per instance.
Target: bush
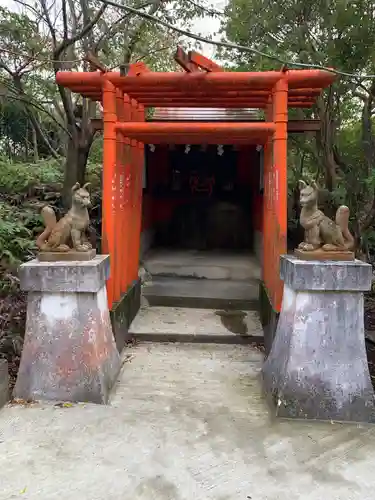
(17, 227)
(18, 178)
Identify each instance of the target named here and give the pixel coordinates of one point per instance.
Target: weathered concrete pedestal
(4, 382)
(317, 367)
(69, 352)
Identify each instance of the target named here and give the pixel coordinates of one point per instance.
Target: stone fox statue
(320, 230)
(69, 232)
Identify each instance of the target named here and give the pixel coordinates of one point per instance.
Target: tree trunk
(75, 165)
(33, 119)
(325, 139)
(35, 143)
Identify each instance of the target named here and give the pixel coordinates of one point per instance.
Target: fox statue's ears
(302, 184)
(78, 186)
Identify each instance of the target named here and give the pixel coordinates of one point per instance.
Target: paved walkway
(186, 422)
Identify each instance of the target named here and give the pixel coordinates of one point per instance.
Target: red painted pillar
(139, 191)
(267, 211)
(126, 227)
(280, 138)
(133, 259)
(109, 173)
(119, 199)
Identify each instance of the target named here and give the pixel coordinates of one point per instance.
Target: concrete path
(186, 422)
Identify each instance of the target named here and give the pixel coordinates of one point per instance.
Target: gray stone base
(268, 317)
(123, 313)
(69, 352)
(4, 382)
(317, 367)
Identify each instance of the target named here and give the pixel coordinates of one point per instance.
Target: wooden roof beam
(203, 62)
(294, 126)
(134, 129)
(183, 59)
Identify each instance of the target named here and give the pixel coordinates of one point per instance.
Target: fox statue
(320, 231)
(69, 232)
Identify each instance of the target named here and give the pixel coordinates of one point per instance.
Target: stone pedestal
(4, 382)
(317, 367)
(69, 352)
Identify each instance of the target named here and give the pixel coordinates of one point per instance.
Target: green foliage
(13, 121)
(18, 220)
(16, 234)
(96, 150)
(17, 178)
(340, 33)
(20, 37)
(333, 33)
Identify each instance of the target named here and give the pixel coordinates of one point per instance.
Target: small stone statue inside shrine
(324, 239)
(66, 239)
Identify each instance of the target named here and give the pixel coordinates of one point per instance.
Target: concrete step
(187, 325)
(212, 265)
(202, 293)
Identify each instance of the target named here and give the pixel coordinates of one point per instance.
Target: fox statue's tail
(342, 220)
(49, 219)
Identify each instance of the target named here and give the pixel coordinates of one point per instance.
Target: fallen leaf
(64, 405)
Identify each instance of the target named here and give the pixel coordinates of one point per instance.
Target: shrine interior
(202, 197)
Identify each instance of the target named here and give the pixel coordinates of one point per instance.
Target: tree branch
(108, 32)
(85, 30)
(65, 20)
(27, 102)
(152, 52)
(6, 68)
(209, 10)
(135, 36)
(48, 21)
(18, 86)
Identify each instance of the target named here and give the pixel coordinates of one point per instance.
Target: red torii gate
(125, 95)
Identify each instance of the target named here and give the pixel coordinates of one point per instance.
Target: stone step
(187, 325)
(202, 293)
(211, 265)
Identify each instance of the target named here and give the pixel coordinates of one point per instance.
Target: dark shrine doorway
(209, 204)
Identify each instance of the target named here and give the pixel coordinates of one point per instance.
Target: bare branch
(152, 52)
(49, 21)
(85, 30)
(360, 95)
(135, 36)
(6, 68)
(74, 19)
(108, 32)
(65, 20)
(31, 8)
(209, 10)
(23, 97)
